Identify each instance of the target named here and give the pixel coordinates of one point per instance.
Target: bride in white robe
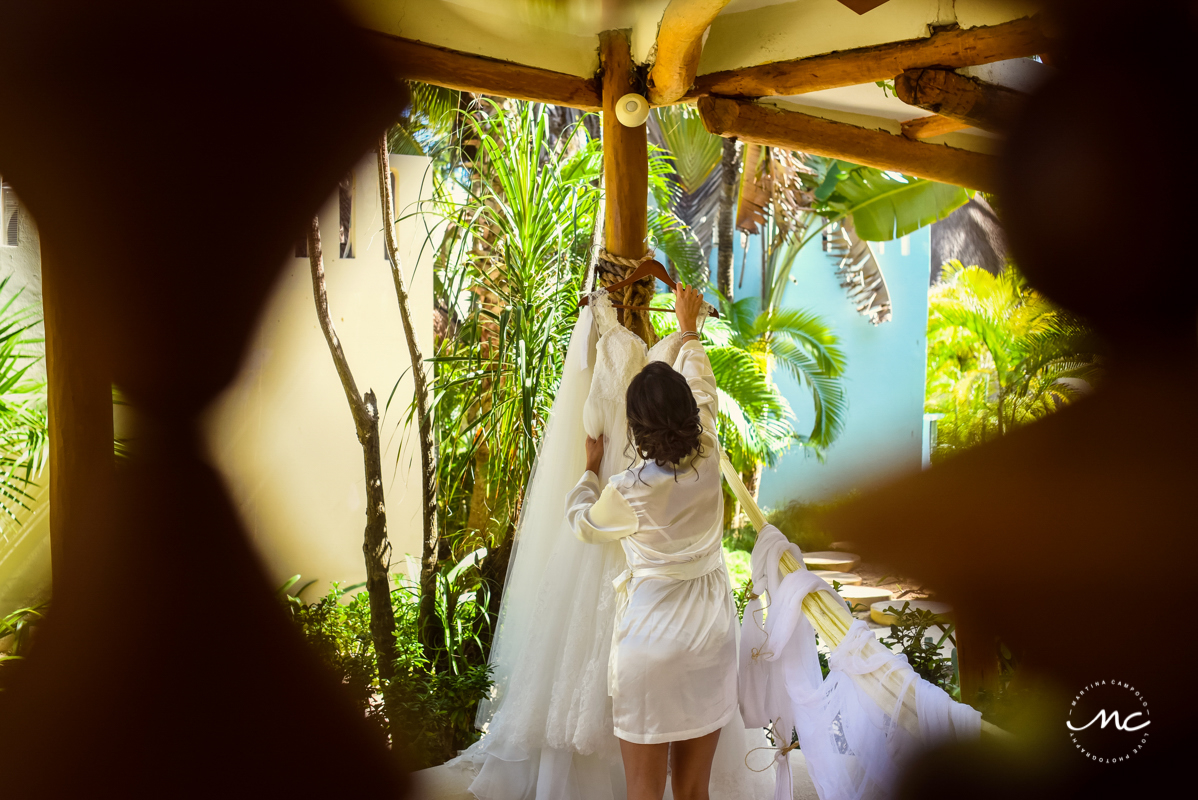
(548, 724)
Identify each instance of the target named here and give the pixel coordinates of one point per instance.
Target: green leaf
(885, 206)
(696, 152)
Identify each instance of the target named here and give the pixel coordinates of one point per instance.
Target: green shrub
(429, 713)
(908, 636)
(802, 523)
(16, 634)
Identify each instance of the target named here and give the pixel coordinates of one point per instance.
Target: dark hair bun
(663, 418)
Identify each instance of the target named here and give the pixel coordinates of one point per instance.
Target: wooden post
(977, 658)
(79, 395)
(625, 178)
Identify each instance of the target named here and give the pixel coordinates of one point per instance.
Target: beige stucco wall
(282, 434)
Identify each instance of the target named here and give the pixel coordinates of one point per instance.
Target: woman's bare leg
(690, 766)
(645, 769)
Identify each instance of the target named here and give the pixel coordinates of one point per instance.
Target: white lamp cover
(632, 110)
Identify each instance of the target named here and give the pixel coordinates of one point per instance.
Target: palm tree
(1000, 355)
(23, 421)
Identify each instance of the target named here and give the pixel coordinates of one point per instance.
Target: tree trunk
(365, 412)
(428, 628)
(731, 170)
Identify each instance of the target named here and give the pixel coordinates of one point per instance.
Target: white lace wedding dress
(549, 727)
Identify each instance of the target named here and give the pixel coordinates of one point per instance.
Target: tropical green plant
(754, 419)
(24, 439)
(1000, 355)
(908, 635)
(430, 118)
(431, 712)
(696, 158)
(16, 635)
(517, 228)
(884, 205)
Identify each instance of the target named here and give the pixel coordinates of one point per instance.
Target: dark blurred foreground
(173, 114)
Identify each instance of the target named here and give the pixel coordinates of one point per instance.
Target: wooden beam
(945, 48)
(467, 72)
(625, 177)
(970, 102)
(927, 127)
(797, 131)
(679, 45)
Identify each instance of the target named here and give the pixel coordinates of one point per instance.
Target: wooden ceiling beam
(793, 130)
(467, 72)
(679, 45)
(927, 127)
(970, 102)
(953, 49)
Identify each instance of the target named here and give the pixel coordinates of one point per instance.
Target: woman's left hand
(594, 453)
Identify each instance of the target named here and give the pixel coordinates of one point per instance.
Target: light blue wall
(884, 379)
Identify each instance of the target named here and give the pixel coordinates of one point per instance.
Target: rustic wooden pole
(79, 394)
(951, 49)
(679, 46)
(928, 127)
(468, 72)
(794, 130)
(977, 657)
(625, 177)
(944, 92)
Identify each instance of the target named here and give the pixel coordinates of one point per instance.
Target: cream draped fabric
(672, 667)
(859, 726)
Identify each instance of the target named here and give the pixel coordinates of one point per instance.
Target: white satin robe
(672, 671)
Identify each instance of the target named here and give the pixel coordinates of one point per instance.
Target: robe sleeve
(694, 365)
(597, 517)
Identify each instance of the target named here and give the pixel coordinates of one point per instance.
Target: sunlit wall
(283, 435)
(884, 380)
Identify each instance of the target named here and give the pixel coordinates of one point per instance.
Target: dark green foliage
(908, 636)
(1001, 704)
(1000, 356)
(20, 625)
(741, 597)
(802, 523)
(740, 538)
(431, 713)
(24, 441)
(435, 711)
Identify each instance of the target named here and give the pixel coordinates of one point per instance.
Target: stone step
(857, 596)
(877, 611)
(846, 578)
(831, 561)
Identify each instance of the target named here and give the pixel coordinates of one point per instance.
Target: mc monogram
(1120, 732)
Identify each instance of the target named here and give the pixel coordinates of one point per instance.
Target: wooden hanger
(646, 268)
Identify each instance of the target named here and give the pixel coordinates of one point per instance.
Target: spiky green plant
(1000, 355)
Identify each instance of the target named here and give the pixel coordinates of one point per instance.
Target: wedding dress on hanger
(548, 724)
